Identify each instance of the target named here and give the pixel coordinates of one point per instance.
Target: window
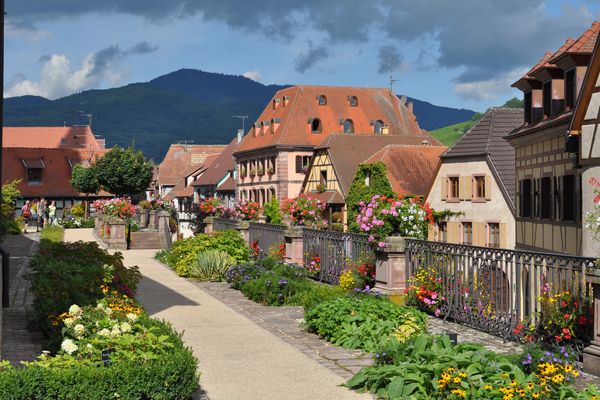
(453, 187)
(494, 235)
(479, 187)
(352, 101)
(570, 88)
(348, 126)
(467, 233)
(547, 99)
(569, 198)
(545, 198)
(323, 178)
(322, 100)
(316, 125)
(34, 175)
(525, 198)
(527, 106)
(378, 127)
(302, 163)
(442, 234)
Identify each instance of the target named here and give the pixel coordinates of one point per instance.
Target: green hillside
(449, 135)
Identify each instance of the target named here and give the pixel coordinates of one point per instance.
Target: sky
(459, 53)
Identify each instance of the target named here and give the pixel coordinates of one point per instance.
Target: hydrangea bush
(305, 211)
(247, 210)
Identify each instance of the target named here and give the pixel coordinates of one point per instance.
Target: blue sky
(452, 53)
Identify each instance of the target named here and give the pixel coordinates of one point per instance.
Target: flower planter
(144, 218)
(244, 228)
(294, 244)
(390, 266)
(591, 354)
(115, 236)
(209, 224)
(153, 220)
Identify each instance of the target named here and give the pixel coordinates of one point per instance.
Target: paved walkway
(238, 359)
(19, 342)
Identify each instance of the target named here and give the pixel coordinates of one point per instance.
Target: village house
(410, 162)
(548, 175)
(42, 158)
(274, 156)
(476, 181)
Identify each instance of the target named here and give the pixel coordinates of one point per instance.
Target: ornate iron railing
(223, 224)
(494, 289)
(266, 236)
(334, 250)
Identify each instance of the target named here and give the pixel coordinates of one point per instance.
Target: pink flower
(371, 238)
(438, 312)
(381, 245)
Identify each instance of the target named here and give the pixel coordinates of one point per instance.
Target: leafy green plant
(315, 294)
(78, 210)
(10, 193)
(52, 233)
(211, 265)
(363, 321)
(272, 212)
(76, 223)
(360, 192)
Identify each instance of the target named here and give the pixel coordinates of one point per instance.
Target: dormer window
(570, 89)
(352, 101)
(254, 129)
(547, 99)
(286, 100)
(527, 105)
(348, 126)
(315, 126)
(34, 168)
(276, 102)
(322, 100)
(378, 127)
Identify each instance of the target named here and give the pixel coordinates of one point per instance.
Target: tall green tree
(514, 103)
(124, 172)
(85, 180)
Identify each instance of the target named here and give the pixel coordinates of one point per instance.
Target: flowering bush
(425, 291)
(592, 218)
(347, 281)
(277, 251)
(384, 216)
(120, 207)
(305, 211)
(314, 265)
(210, 206)
(247, 210)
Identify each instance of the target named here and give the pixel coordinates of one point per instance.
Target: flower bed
(76, 223)
(102, 343)
(305, 211)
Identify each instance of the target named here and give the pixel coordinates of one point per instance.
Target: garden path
(238, 359)
(18, 341)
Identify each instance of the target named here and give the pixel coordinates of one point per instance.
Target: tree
(124, 172)
(514, 103)
(84, 180)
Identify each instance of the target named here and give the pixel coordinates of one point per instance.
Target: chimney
(240, 135)
(409, 106)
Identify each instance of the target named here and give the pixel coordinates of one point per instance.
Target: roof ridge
(290, 113)
(490, 130)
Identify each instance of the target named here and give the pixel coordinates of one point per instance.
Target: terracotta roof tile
(180, 158)
(488, 138)
(50, 137)
(227, 186)
(410, 168)
(181, 189)
(220, 167)
(290, 124)
(329, 197)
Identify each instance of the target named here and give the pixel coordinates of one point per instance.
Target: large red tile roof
(290, 124)
(50, 137)
(220, 167)
(181, 188)
(180, 158)
(410, 169)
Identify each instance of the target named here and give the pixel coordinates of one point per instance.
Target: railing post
(117, 239)
(591, 354)
(391, 265)
(294, 244)
(153, 222)
(164, 230)
(244, 228)
(209, 223)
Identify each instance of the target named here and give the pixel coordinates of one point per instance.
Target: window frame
(319, 126)
(38, 173)
(491, 228)
(350, 126)
(475, 180)
(463, 225)
(321, 100)
(450, 188)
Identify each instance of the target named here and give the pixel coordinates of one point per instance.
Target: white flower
(89, 346)
(116, 331)
(79, 329)
(68, 346)
(104, 332)
(131, 317)
(75, 310)
(69, 321)
(125, 327)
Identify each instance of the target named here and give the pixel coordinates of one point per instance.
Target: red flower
(563, 303)
(567, 316)
(566, 331)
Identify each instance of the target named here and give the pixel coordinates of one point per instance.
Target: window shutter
(488, 187)
(431, 232)
(577, 198)
(453, 232)
(503, 238)
(468, 187)
(444, 187)
(478, 234)
(462, 189)
(298, 164)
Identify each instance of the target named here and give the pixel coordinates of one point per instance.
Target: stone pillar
(153, 221)
(164, 230)
(209, 223)
(591, 354)
(144, 218)
(244, 228)
(117, 239)
(98, 222)
(390, 272)
(294, 244)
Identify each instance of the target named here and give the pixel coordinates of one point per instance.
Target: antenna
(243, 118)
(84, 114)
(185, 142)
(392, 80)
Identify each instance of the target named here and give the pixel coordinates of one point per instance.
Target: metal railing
(334, 250)
(266, 236)
(223, 224)
(492, 289)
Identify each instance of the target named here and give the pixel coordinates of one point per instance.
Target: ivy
(359, 191)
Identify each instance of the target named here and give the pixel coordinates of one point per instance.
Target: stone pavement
(19, 341)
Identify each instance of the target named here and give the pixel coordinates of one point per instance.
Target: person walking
(52, 213)
(35, 215)
(26, 214)
(42, 210)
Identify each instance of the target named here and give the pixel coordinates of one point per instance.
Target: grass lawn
(449, 135)
(53, 233)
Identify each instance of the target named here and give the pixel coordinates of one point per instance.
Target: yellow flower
(488, 387)
(535, 395)
(457, 380)
(459, 392)
(558, 378)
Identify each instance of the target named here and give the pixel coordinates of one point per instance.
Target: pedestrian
(52, 213)
(26, 214)
(42, 210)
(35, 215)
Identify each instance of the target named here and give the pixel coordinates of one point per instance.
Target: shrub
(305, 211)
(273, 212)
(361, 192)
(52, 233)
(211, 265)
(184, 252)
(315, 294)
(9, 224)
(237, 276)
(76, 223)
(78, 210)
(276, 286)
(247, 210)
(363, 322)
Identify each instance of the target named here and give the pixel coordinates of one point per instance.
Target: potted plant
(261, 170)
(321, 188)
(243, 173)
(252, 173)
(270, 171)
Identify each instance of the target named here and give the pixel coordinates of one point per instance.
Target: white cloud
(489, 89)
(254, 75)
(58, 78)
